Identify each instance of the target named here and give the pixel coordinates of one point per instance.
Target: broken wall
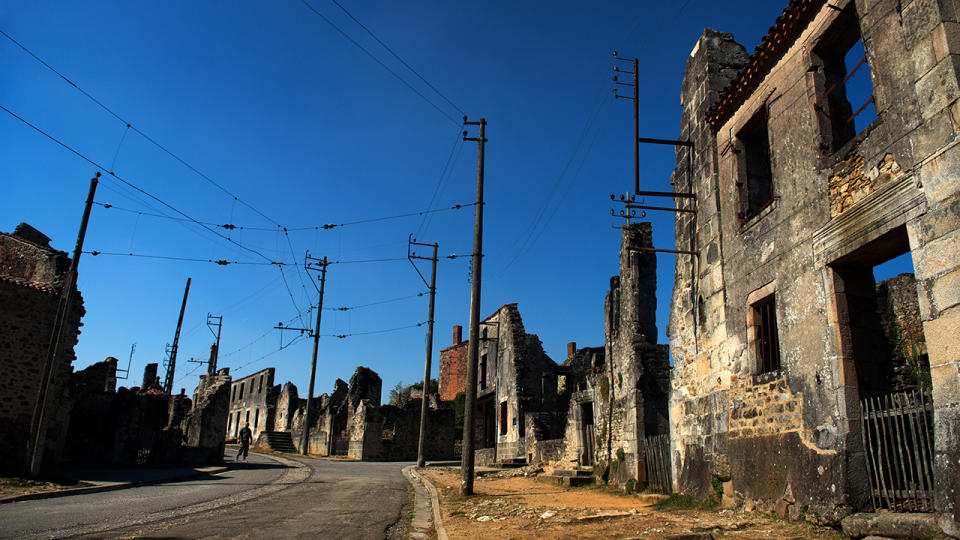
(31, 278)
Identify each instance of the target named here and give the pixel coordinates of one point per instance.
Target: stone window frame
(828, 97)
(746, 215)
(753, 326)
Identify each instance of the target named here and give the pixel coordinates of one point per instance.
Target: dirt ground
(509, 505)
(11, 487)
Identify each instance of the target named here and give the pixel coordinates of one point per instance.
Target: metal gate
(657, 450)
(898, 438)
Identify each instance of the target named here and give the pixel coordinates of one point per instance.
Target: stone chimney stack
(457, 334)
(571, 348)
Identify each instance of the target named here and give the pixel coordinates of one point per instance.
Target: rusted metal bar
(665, 141)
(860, 110)
(680, 251)
(835, 85)
(868, 450)
(665, 208)
(665, 194)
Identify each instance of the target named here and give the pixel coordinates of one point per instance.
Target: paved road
(325, 499)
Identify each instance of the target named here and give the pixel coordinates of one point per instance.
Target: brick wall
(763, 409)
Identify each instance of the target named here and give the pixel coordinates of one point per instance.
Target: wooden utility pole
(38, 422)
(424, 406)
(321, 266)
(473, 348)
(172, 361)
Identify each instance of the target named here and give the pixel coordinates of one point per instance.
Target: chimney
(571, 348)
(457, 334)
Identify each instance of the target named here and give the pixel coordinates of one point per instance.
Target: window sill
(752, 221)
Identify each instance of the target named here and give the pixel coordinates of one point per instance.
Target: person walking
(245, 437)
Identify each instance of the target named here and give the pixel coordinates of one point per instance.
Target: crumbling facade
(516, 388)
(616, 396)
(351, 422)
(252, 399)
(135, 427)
(773, 328)
(32, 275)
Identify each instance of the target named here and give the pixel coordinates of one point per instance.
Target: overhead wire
(378, 61)
(395, 55)
(130, 184)
(371, 332)
(532, 236)
(281, 229)
(441, 182)
(129, 126)
(388, 301)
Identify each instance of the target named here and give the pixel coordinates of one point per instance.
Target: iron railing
(898, 439)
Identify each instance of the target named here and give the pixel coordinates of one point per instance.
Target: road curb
(411, 473)
(112, 486)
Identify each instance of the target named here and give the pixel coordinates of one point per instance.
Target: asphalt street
(260, 499)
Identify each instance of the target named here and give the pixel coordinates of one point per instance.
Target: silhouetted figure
(245, 437)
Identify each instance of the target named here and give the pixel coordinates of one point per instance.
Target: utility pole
(318, 265)
(636, 113)
(38, 422)
(473, 348)
(214, 321)
(172, 360)
(421, 453)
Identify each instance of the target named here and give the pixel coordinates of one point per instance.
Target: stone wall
(252, 399)
(839, 206)
(623, 387)
(31, 277)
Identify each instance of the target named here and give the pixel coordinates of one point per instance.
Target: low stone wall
(763, 409)
(485, 457)
(549, 451)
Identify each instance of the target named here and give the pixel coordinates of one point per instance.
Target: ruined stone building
(111, 426)
(350, 421)
(774, 331)
(252, 399)
(32, 275)
(616, 396)
(516, 382)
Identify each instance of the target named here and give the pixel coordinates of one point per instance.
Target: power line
(248, 345)
(443, 177)
(384, 331)
(271, 353)
(377, 60)
(129, 126)
(131, 185)
(348, 308)
(285, 230)
(395, 55)
(220, 262)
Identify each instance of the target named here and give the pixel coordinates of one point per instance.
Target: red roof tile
(38, 285)
(781, 36)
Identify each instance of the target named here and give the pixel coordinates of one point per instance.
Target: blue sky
(276, 106)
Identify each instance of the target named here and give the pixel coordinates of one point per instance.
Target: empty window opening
(845, 104)
(229, 421)
(256, 418)
(881, 329)
(766, 339)
(755, 173)
(241, 390)
(483, 371)
(234, 396)
(260, 389)
(503, 418)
